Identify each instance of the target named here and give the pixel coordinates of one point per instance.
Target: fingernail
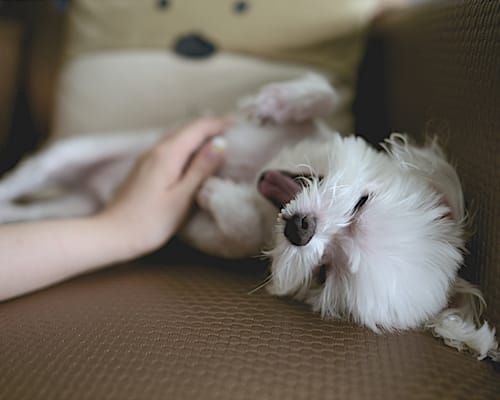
(219, 143)
(218, 146)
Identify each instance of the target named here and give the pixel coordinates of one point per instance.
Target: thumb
(205, 163)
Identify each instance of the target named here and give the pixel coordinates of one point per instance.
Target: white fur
(393, 264)
(390, 265)
(460, 325)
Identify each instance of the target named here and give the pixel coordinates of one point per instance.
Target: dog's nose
(299, 229)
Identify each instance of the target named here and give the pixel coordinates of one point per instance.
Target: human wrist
(125, 240)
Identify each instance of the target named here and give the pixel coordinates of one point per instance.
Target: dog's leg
(66, 161)
(30, 176)
(230, 223)
(60, 162)
(70, 205)
(294, 101)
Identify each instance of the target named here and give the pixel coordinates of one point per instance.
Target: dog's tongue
(278, 187)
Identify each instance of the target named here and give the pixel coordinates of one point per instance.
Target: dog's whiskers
(263, 284)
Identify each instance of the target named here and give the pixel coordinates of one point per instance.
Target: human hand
(153, 202)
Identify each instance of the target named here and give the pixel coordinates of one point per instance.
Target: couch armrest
(433, 70)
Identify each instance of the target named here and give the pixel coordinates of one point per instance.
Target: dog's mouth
(281, 187)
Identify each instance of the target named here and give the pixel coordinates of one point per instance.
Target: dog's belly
(250, 146)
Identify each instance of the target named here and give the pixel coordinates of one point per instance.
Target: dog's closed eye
(361, 202)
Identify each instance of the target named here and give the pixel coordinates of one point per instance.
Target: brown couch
(180, 325)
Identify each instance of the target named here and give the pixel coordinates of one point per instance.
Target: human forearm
(144, 214)
(36, 255)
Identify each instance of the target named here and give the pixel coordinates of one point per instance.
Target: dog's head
(372, 236)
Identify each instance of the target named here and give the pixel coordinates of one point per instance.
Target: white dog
(357, 233)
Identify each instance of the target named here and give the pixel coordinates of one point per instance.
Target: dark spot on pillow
(194, 46)
(163, 4)
(240, 7)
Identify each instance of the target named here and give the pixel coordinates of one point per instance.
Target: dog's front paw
(205, 194)
(206, 197)
(229, 204)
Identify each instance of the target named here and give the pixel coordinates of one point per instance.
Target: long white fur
(394, 265)
(391, 265)
(460, 326)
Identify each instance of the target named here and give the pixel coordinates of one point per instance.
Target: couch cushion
(258, 26)
(123, 69)
(191, 330)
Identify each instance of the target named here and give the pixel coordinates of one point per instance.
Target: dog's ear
(430, 162)
(460, 324)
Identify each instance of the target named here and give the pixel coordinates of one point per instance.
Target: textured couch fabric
(180, 325)
(192, 331)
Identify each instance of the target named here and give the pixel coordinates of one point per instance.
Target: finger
(191, 137)
(205, 163)
(177, 151)
(200, 130)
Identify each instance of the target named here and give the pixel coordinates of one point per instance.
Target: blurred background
(34, 48)
(31, 36)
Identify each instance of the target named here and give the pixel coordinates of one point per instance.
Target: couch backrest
(434, 70)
